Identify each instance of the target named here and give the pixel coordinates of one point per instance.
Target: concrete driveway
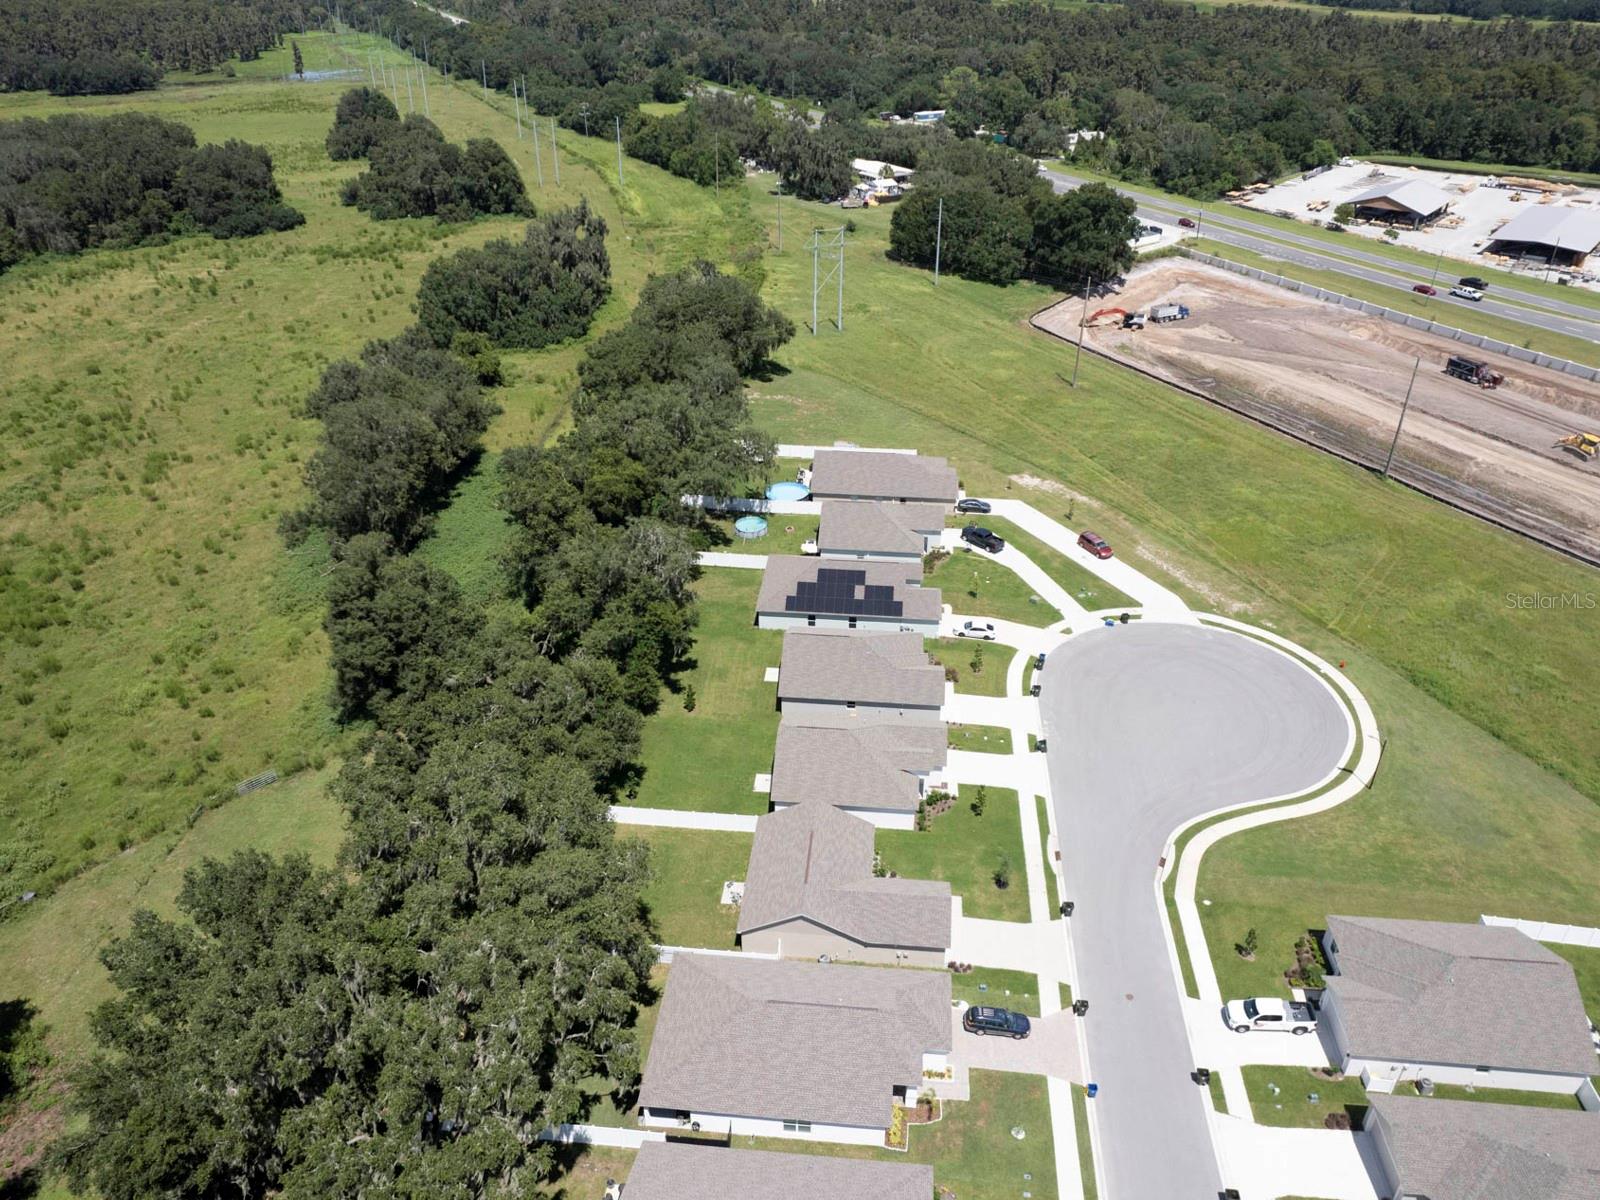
(1050, 1049)
(1150, 725)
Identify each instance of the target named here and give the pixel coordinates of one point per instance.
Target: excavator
(1586, 444)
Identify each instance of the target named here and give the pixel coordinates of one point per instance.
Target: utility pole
(411, 99)
(516, 104)
(1082, 323)
(538, 164)
(1404, 404)
(484, 68)
(716, 162)
(555, 153)
(583, 111)
(938, 242)
(427, 109)
(618, 121)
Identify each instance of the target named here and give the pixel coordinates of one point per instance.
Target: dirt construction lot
(1338, 377)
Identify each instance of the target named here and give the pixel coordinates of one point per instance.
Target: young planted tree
(299, 63)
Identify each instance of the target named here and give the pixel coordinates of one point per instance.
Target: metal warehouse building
(1563, 237)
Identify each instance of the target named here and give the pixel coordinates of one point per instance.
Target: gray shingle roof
(876, 526)
(876, 475)
(787, 574)
(792, 1040)
(1466, 1150)
(879, 668)
(1415, 194)
(1480, 995)
(815, 862)
(1546, 225)
(855, 766)
(681, 1171)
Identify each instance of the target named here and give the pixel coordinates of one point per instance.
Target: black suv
(984, 539)
(971, 504)
(984, 1021)
(1472, 281)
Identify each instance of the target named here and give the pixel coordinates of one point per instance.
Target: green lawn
(1451, 1091)
(1586, 964)
(965, 851)
(583, 1171)
(49, 951)
(708, 759)
(985, 739)
(471, 532)
(1219, 1099)
(970, 1147)
(1087, 588)
(688, 868)
(1291, 1107)
(1016, 990)
(974, 585)
(1051, 894)
(959, 654)
(1080, 1122)
(785, 534)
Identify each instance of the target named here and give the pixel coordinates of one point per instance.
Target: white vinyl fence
(1411, 320)
(1549, 931)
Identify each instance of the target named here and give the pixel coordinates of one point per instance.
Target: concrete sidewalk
(1264, 1163)
(725, 558)
(675, 818)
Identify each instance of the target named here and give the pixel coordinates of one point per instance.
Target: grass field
(1586, 964)
(1016, 990)
(1052, 895)
(708, 759)
(965, 851)
(968, 1149)
(1080, 1124)
(688, 868)
(1450, 1091)
(1290, 1105)
(960, 653)
(785, 535)
(985, 739)
(1087, 588)
(975, 586)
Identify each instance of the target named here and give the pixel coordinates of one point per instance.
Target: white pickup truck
(1265, 1012)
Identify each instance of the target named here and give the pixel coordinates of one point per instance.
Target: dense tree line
(1554, 10)
(79, 47)
(525, 294)
(70, 183)
(1196, 101)
(413, 172)
(364, 115)
(1001, 221)
(407, 1023)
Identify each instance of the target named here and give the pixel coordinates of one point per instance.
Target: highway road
(1149, 726)
(1288, 245)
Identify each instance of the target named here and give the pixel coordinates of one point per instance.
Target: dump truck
(1473, 371)
(1169, 312)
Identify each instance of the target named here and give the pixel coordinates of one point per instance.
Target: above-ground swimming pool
(750, 527)
(788, 491)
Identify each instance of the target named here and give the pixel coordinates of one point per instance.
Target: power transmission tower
(484, 67)
(516, 104)
(827, 248)
(427, 109)
(411, 98)
(555, 153)
(938, 242)
(583, 111)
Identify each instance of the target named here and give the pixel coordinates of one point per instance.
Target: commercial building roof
(879, 475)
(1461, 1150)
(876, 526)
(684, 1171)
(889, 669)
(791, 1040)
(873, 168)
(1480, 995)
(1413, 195)
(1547, 225)
(880, 591)
(814, 862)
(855, 765)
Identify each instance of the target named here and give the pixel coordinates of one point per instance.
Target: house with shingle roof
(778, 1048)
(840, 677)
(799, 591)
(878, 771)
(883, 475)
(810, 892)
(1467, 1150)
(878, 529)
(1458, 1004)
(686, 1171)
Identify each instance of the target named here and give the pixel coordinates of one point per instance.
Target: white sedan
(982, 630)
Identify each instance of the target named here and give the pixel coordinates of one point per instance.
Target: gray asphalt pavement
(1149, 726)
(1558, 316)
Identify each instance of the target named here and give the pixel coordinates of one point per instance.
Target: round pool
(750, 527)
(788, 491)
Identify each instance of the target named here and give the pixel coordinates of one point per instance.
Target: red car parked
(1094, 544)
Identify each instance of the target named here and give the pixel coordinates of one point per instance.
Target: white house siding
(882, 818)
(865, 711)
(837, 624)
(800, 938)
(848, 1135)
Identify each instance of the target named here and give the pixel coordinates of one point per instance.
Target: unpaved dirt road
(1338, 377)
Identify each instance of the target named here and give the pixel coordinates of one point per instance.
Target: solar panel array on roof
(845, 592)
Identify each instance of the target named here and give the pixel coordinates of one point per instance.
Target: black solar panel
(844, 592)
